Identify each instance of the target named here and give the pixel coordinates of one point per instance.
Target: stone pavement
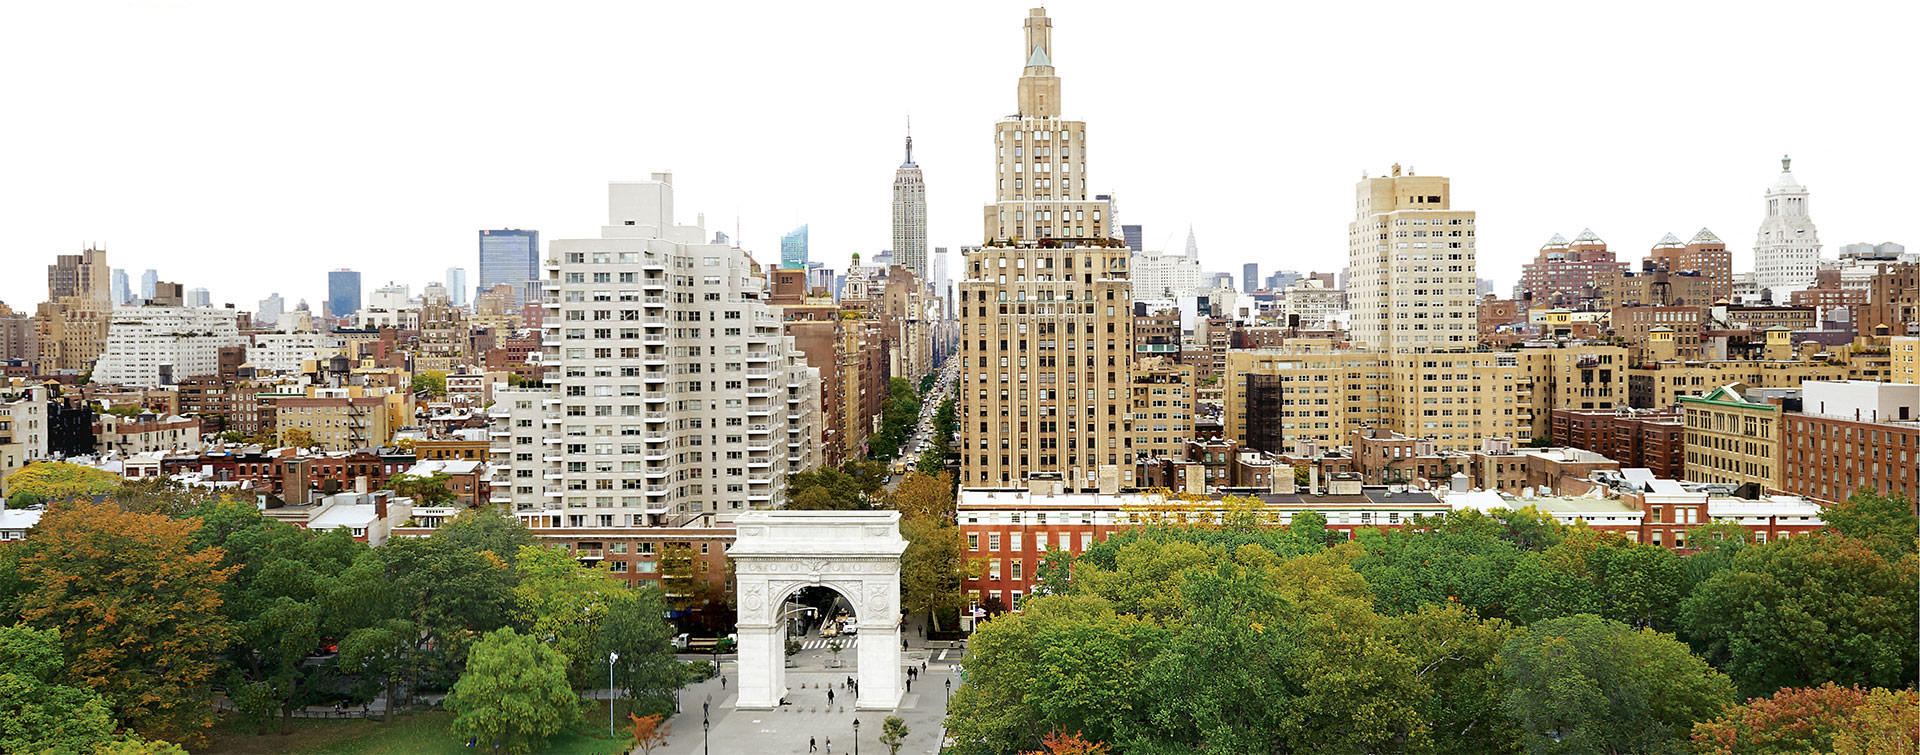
(785, 730)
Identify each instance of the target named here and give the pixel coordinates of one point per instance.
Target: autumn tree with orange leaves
(649, 731)
(1062, 743)
(1827, 718)
(138, 611)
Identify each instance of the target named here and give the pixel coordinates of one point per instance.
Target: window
(993, 541)
(973, 542)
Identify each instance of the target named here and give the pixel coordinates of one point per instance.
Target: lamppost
(703, 735)
(949, 691)
(611, 658)
(856, 736)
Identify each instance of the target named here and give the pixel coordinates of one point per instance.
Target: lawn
(423, 733)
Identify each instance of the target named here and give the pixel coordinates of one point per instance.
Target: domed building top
(1786, 182)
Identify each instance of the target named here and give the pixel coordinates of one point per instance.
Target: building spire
(909, 140)
(1786, 163)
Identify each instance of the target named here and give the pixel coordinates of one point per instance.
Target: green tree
(1586, 684)
(59, 481)
(279, 602)
(514, 692)
(893, 733)
(450, 587)
(430, 382)
(425, 490)
(932, 567)
(25, 499)
(647, 671)
(1807, 610)
(923, 496)
(829, 489)
(138, 610)
(1456, 661)
(294, 437)
(1886, 522)
(37, 714)
(565, 604)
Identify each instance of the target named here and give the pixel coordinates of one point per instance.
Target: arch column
(856, 553)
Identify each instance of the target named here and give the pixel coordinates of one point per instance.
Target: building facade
(343, 293)
(155, 346)
(1732, 439)
(1851, 435)
(1411, 254)
(1046, 305)
(910, 216)
(677, 398)
(510, 256)
(1786, 251)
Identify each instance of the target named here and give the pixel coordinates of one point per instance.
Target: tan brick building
(1732, 439)
(1046, 311)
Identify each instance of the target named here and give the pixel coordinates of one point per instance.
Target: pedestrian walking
(909, 684)
(829, 697)
(829, 745)
(812, 745)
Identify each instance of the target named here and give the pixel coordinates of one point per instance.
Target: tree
(294, 437)
(425, 490)
(279, 602)
(1062, 743)
(25, 499)
(138, 610)
(1456, 661)
(429, 382)
(1806, 610)
(649, 731)
(647, 670)
(565, 605)
(59, 481)
(514, 692)
(893, 733)
(932, 567)
(924, 496)
(1886, 522)
(37, 714)
(1587, 684)
(159, 495)
(231, 436)
(449, 588)
(1827, 718)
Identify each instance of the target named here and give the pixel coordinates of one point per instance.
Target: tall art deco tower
(910, 217)
(1046, 306)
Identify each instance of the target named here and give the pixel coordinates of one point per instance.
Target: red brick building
(1650, 438)
(1850, 435)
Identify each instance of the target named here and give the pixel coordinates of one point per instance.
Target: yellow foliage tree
(58, 480)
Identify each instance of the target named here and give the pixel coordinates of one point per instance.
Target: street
(929, 408)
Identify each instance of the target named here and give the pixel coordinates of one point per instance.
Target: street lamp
(703, 735)
(949, 692)
(611, 658)
(856, 736)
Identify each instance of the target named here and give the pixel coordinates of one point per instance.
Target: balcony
(759, 428)
(759, 356)
(654, 300)
(653, 473)
(657, 416)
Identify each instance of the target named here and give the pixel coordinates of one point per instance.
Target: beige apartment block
(1662, 384)
(1573, 376)
(1732, 439)
(1272, 398)
(1411, 256)
(1046, 311)
(1163, 406)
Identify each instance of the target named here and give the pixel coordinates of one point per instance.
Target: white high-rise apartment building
(1786, 253)
(284, 353)
(518, 447)
(677, 399)
(1159, 275)
(155, 346)
(1412, 285)
(910, 217)
(199, 297)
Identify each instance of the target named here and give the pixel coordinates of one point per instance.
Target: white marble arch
(857, 554)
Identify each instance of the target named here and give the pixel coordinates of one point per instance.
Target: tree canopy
(59, 480)
(514, 692)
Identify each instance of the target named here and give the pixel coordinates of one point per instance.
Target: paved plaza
(786, 729)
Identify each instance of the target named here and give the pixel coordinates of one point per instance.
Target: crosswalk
(846, 643)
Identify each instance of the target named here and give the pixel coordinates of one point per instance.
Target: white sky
(249, 147)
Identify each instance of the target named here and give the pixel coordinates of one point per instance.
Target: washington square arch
(854, 553)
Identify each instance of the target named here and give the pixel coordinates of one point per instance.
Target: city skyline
(1624, 174)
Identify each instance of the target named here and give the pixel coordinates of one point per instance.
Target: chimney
(1280, 479)
(360, 485)
(1109, 480)
(380, 503)
(1313, 478)
(1196, 479)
